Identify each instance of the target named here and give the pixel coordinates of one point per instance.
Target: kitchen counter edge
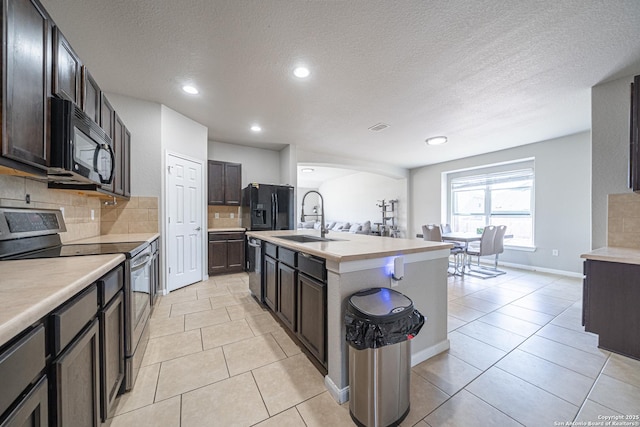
(350, 247)
(614, 254)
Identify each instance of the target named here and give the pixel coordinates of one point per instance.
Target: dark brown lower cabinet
(287, 295)
(33, 410)
(226, 252)
(611, 295)
(77, 381)
(312, 315)
(111, 354)
(270, 273)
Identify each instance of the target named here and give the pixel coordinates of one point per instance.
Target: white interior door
(184, 221)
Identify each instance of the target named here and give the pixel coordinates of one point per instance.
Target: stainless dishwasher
(254, 267)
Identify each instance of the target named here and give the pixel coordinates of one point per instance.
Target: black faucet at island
(323, 229)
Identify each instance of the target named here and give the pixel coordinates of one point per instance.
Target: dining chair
(432, 233)
(498, 243)
(485, 248)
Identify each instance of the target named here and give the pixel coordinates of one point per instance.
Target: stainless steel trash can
(380, 323)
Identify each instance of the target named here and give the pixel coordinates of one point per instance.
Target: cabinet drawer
(109, 285)
(20, 364)
(226, 236)
(270, 249)
(69, 320)
(287, 256)
(312, 266)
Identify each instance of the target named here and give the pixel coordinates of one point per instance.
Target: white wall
(610, 104)
(182, 135)
(562, 199)
(258, 165)
(142, 118)
(353, 198)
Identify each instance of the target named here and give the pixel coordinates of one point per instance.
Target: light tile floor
(519, 356)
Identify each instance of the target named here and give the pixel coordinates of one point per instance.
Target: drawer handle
(305, 255)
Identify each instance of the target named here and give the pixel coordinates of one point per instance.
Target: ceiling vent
(378, 127)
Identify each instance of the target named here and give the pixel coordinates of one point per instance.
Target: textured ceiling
(488, 74)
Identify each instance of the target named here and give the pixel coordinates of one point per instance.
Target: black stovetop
(129, 249)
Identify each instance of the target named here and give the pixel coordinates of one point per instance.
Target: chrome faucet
(323, 230)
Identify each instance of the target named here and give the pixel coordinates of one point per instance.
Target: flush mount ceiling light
(436, 140)
(256, 128)
(306, 170)
(301, 72)
(191, 90)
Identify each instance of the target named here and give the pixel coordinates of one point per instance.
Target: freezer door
(261, 208)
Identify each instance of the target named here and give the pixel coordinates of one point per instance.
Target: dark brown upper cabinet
(118, 143)
(90, 96)
(67, 69)
(107, 119)
(26, 87)
(126, 163)
(224, 183)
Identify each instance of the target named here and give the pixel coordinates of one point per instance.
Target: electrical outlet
(217, 215)
(554, 252)
(233, 216)
(93, 215)
(27, 198)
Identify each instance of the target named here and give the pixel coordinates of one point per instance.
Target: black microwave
(81, 152)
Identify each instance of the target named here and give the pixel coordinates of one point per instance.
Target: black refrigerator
(268, 207)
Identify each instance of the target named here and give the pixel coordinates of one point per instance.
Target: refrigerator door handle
(275, 211)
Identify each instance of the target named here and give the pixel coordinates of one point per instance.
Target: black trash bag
(362, 333)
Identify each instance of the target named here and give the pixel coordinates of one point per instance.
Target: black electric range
(34, 233)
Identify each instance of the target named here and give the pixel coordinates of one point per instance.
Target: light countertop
(222, 229)
(614, 254)
(32, 288)
(350, 246)
(119, 238)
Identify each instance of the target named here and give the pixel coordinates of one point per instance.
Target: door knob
(198, 229)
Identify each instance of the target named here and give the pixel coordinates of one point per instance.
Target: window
(495, 198)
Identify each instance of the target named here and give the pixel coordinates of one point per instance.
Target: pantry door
(184, 221)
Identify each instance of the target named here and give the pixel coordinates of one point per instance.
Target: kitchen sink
(303, 238)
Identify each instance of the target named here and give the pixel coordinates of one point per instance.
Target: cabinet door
(287, 295)
(27, 82)
(232, 184)
(90, 96)
(111, 354)
(33, 410)
(215, 182)
(126, 163)
(77, 383)
(217, 256)
(106, 115)
(118, 151)
(270, 283)
(312, 308)
(235, 255)
(66, 69)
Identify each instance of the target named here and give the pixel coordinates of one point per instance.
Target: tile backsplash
(76, 208)
(623, 228)
(136, 215)
(224, 219)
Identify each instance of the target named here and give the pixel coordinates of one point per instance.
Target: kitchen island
(354, 262)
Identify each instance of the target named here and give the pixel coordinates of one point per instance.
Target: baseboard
(340, 395)
(540, 269)
(429, 352)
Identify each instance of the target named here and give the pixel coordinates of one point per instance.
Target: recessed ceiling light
(436, 140)
(306, 170)
(191, 90)
(256, 128)
(301, 72)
